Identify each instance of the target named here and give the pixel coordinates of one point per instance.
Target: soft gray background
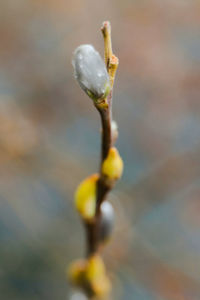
(50, 140)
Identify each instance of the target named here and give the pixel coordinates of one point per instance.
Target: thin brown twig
(92, 228)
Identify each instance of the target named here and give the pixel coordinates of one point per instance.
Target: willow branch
(92, 229)
(103, 187)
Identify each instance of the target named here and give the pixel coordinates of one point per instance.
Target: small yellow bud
(95, 267)
(90, 276)
(85, 197)
(76, 272)
(101, 286)
(96, 275)
(112, 167)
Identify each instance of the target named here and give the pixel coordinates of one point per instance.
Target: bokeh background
(50, 141)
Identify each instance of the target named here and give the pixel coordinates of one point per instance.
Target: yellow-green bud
(90, 275)
(112, 167)
(76, 272)
(95, 267)
(85, 197)
(96, 276)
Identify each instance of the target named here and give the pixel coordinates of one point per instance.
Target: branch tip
(106, 30)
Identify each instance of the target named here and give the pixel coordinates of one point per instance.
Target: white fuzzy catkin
(90, 72)
(107, 221)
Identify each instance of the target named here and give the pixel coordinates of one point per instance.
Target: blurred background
(50, 141)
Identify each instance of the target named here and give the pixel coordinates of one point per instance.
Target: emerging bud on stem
(106, 221)
(112, 167)
(85, 197)
(90, 72)
(114, 130)
(90, 275)
(76, 272)
(96, 276)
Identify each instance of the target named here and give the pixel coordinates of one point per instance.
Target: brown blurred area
(50, 141)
